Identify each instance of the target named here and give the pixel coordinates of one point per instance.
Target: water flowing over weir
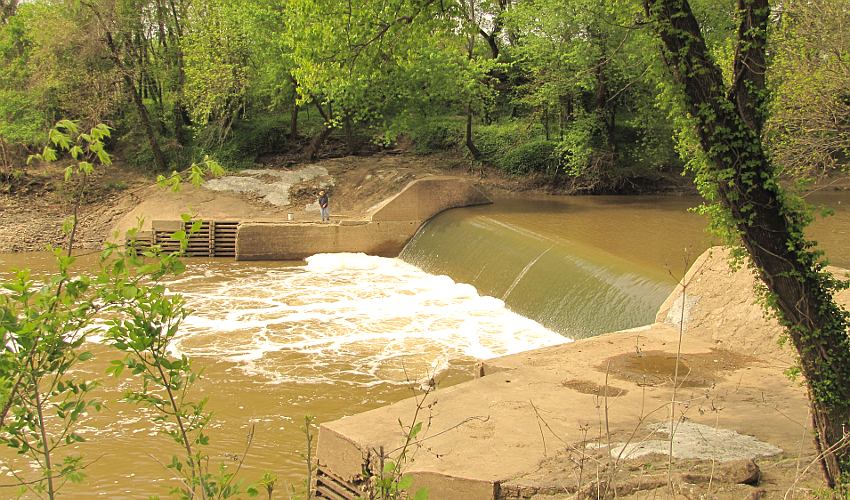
(566, 285)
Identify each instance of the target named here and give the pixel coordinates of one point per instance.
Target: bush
(496, 140)
(516, 147)
(537, 156)
(247, 140)
(432, 136)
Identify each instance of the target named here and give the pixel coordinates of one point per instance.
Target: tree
(588, 76)
(372, 62)
(21, 115)
(740, 176)
(809, 127)
(7, 9)
(219, 55)
(116, 28)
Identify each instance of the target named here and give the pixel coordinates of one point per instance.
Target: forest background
(572, 92)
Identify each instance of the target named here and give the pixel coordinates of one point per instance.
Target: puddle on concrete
(659, 367)
(588, 387)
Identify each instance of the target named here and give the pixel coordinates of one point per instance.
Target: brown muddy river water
(344, 333)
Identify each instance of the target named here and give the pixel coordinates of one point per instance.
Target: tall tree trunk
(293, 120)
(316, 142)
(350, 140)
(159, 159)
(181, 114)
(293, 117)
(491, 42)
(745, 182)
(319, 139)
(293, 113)
(470, 144)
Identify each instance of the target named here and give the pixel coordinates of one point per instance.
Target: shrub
(431, 136)
(536, 156)
(247, 139)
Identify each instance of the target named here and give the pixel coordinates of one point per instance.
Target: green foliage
(195, 174)
(809, 128)
(225, 79)
(44, 324)
(537, 156)
(218, 52)
(436, 135)
(247, 140)
(21, 122)
(518, 147)
(497, 140)
(582, 142)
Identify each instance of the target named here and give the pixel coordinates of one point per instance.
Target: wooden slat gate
(213, 239)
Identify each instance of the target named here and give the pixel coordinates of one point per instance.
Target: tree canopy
(571, 90)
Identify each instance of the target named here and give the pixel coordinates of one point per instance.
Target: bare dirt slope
(32, 216)
(118, 199)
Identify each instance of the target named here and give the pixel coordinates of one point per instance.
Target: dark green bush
(436, 135)
(247, 140)
(536, 156)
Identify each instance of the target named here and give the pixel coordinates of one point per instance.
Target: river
(345, 333)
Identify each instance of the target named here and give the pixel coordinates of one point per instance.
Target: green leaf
(405, 482)
(49, 154)
(421, 494)
(179, 236)
(196, 175)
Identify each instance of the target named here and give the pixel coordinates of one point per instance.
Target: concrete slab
(544, 422)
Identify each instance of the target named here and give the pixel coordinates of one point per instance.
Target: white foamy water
(345, 318)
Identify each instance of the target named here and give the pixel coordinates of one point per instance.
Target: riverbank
(117, 198)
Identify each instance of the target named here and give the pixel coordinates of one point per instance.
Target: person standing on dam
(323, 206)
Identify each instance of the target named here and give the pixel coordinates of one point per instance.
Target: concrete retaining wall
(390, 226)
(424, 198)
(270, 241)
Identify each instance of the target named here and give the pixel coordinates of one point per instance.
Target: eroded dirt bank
(31, 219)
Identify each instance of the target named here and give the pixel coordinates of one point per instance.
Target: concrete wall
(424, 198)
(282, 241)
(391, 225)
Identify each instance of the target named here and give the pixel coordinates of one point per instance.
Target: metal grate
(334, 487)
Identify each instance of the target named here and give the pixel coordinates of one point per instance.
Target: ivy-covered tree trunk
(741, 176)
